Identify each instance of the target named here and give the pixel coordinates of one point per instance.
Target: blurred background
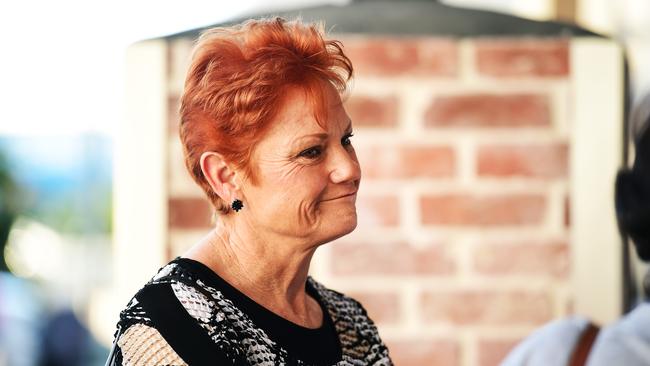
(489, 134)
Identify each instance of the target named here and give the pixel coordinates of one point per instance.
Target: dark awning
(416, 17)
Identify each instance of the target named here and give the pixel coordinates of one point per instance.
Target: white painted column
(140, 184)
(597, 83)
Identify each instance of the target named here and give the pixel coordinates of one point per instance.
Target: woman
(266, 137)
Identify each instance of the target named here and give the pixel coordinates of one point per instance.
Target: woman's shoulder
(171, 316)
(337, 300)
(140, 344)
(164, 292)
(350, 318)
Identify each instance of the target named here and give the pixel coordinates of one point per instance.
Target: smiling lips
(342, 196)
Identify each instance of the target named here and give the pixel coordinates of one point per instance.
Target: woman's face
(307, 175)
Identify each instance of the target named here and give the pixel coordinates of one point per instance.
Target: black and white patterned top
(188, 315)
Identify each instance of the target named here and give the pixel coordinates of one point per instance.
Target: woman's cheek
(308, 213)
(290, 172)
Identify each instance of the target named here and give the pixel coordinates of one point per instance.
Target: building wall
(464, 240)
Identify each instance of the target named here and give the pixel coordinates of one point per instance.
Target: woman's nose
(344, 166)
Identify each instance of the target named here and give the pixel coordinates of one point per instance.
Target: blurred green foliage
(66, 181)
(11, 204)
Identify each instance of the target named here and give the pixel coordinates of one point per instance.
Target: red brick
(486, 307)
(419, 352)
(548, 259)
(368, 111)
(386, 56)
(523, 58)
(382, 307)
(189, 213)
(377, 211)
(492, 351)
(534, 161)
(390, 259)
(438, 57)
(483, 210)
(395, 162)
(489, 110)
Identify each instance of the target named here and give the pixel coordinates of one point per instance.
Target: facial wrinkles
(307, 213)
(279, 161)
(254, 233)
(281, 166)
(297, 168)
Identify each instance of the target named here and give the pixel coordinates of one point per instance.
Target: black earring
(237, 205)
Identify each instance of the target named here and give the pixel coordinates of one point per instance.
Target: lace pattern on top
(234, 333)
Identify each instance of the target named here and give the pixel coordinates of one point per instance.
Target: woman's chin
(351, 222)
(344, 223)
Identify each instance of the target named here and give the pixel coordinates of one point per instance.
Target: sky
(62, 62)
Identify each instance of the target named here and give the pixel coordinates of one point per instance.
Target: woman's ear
(219, 175)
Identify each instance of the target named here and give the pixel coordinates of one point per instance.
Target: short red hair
(236, 82)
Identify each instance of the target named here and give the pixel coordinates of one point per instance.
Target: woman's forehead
(303, 112)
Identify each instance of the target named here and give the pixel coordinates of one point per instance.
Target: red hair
(236, 81)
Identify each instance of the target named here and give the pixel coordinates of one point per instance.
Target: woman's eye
(311, 153)
(345, 141)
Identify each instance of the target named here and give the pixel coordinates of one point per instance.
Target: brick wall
(462, 246)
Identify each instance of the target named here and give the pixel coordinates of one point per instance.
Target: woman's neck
(271, 272)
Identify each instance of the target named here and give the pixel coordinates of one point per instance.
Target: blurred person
(266, 136)
(21, 316)
(67, 342)
(576, 341)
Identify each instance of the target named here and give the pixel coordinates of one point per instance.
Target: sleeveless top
(188, 315)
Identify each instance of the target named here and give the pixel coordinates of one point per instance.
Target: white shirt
(625, 342)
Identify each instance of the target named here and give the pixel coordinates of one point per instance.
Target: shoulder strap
(583, 347)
